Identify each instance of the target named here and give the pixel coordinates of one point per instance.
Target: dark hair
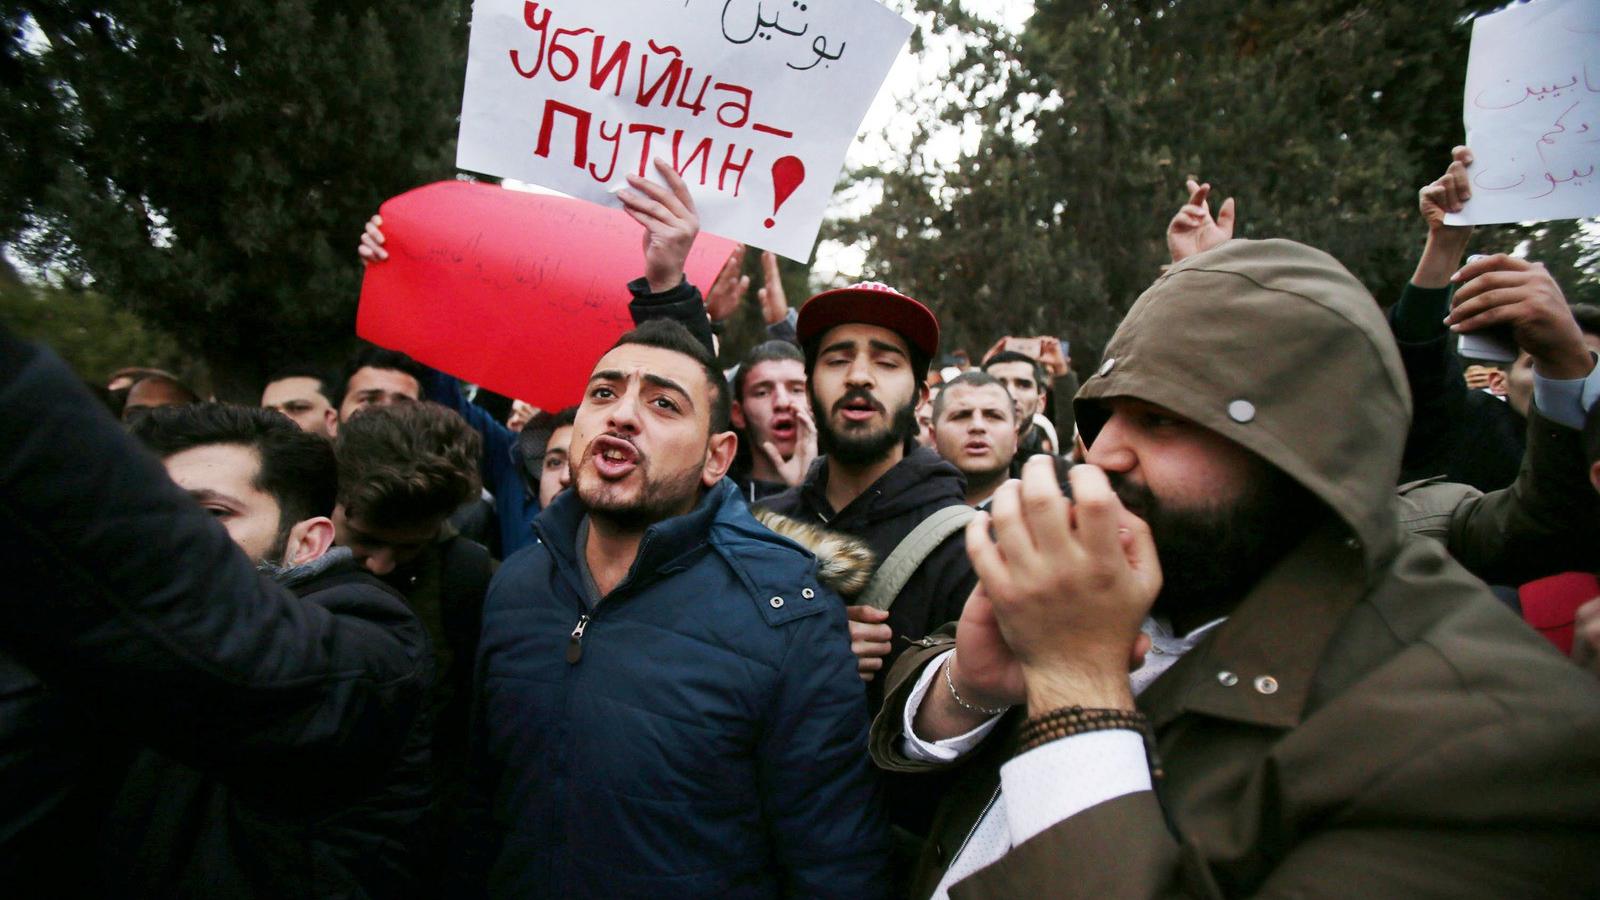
(328, 384)
(1588, 316)
(375, 357)
(407, 463)
(1010, 356)
(668, 334)
(535, 439)
(297, 468)
(769, 351)
(970, 379)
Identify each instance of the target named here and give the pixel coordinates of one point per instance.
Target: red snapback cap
(870, 303)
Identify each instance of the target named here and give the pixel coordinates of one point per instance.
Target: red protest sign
(520, 293)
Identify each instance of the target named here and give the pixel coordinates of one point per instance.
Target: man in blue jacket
(668, 705)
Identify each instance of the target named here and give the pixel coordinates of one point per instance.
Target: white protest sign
(754, 102)
(1532, 111)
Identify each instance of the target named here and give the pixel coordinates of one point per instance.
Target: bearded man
(867, 349)
(1329, 705)
(668, 705)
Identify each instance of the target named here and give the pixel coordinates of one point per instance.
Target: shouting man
(668, 702)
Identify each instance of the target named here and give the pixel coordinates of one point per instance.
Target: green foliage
(208, 166)
(1322, 118)
(93, 336)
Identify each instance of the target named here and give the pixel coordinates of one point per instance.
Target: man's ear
(1594, 475)
(309, 539)
(736, 415)
(331, 419)
(719, 457)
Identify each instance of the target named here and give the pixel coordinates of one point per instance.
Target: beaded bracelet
(951, 684)
(1072, 720)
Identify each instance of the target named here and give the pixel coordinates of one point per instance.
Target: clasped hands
(1064, 586)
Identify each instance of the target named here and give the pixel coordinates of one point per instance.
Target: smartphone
(1490, 344)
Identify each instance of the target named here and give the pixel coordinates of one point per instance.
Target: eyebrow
(880, 346)
(657, 380)
(202, 495)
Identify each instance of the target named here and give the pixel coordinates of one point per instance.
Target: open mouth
(976, 448)
(614, 458)
(858, 409)
(785, 428)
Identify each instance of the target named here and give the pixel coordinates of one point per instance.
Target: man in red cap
(867, 349)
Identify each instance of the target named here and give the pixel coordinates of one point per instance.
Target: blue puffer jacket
(708, 741)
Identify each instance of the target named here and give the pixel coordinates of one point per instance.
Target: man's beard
(861, 449)
(658, 498)
(1213, 555)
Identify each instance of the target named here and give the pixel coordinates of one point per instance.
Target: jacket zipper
(575, 643)
(975, 824)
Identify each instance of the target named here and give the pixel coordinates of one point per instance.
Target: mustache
(1135, 497)
(859, 394)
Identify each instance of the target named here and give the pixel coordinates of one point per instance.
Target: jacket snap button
(777, 602)
(1266, 684)
(1241, 411)
(1352, 543)
(808, 593)
(1106, 366)
(1227, 679)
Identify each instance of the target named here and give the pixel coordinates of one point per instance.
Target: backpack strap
(911, 552)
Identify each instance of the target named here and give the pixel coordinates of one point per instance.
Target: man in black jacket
(867, 349)
(134, 629)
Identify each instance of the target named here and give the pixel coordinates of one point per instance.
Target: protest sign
(520, 293)
(754, 102)
(1532, 111)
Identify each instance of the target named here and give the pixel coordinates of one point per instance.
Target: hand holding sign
(479, 280)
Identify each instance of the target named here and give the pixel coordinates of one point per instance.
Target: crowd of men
(1276, 603)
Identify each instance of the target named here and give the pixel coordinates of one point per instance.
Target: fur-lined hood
(843, 563)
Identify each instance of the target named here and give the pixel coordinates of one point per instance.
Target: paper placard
(1532, 111)
(754, 102)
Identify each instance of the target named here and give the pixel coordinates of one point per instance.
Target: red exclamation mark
(787, 173)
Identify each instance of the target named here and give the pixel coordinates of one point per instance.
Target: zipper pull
(575, 643)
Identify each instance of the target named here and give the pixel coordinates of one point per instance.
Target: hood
(843, 563)
(921, 480)
(1278, 348)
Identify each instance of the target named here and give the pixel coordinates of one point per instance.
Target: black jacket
(129, 619)
(1463, 435)
(178, 831)
(918, 486)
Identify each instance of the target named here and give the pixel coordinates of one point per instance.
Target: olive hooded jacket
(1369, 721)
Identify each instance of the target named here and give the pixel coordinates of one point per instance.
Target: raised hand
(1503, 290)
(1448, 193)
(1193, 230)
(728, 290)
(371, 247)
(670, 224)
(774, 303)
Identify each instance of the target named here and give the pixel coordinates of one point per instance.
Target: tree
(208, 166)
(94, 337)
(1322, 117)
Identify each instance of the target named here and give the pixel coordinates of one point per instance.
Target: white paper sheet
(1532, 111)
(754, 101)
